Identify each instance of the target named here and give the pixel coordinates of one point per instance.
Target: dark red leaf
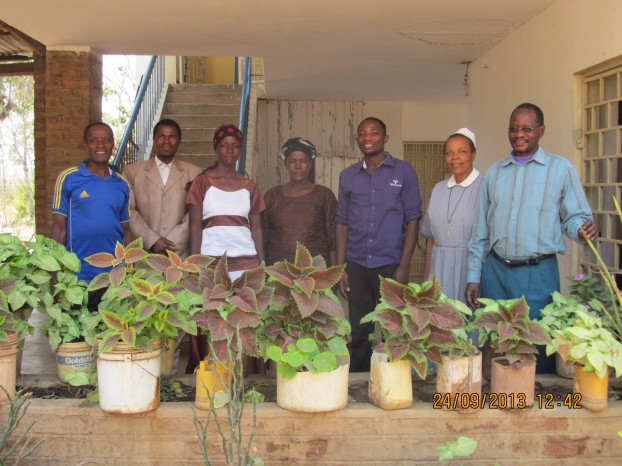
(391, 320)
(392, 292)
(446, 317)
(325, 279)
(303, 256)
(306, 306)
(280, 273)
(330, 306)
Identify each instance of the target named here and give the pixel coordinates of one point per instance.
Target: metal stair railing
(244, 108)
(138, 129)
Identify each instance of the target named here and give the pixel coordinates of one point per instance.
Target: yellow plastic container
(592, 389)
(211, 377)
(390, 383)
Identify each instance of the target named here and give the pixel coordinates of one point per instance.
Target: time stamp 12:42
(505, 401)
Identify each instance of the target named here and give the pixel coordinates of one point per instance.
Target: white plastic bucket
(129, 379)
(314, 392)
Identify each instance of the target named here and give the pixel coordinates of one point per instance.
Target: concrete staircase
(200, 109)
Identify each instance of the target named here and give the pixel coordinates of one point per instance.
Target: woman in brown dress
(299, 210)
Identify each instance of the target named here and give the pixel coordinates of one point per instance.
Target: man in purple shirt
(377, 224)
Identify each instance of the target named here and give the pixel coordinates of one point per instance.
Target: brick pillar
(71, 91)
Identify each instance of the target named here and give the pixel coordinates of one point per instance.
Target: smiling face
(166, 141)
(371, 138)
(298, 165)
(525, 132)
(228, 151)
(459, 157)
(99, 143)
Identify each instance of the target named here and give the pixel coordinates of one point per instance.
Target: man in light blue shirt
(528, 201)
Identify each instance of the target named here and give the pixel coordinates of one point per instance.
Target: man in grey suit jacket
(158, 193)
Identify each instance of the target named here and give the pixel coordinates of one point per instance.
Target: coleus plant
(140, 303)
(511, 333)
(305, 326)
(231, 308)
(417, 322)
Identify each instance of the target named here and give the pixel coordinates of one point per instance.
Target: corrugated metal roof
(11, 45)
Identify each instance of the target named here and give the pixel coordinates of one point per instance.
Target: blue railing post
(138, 128)
(244, 107)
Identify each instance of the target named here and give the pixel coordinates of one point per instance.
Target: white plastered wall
(539, 63)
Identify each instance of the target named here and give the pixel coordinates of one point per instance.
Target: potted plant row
(594, 352)
(417, 324)
(230, 315)
(560, 314)
(9, 340)
(304, 333)
(148, 298)
(513, 338)
(44, 273)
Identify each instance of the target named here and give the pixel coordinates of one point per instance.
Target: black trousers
(363, 296)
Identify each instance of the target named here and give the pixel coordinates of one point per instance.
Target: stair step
(199, 97)
(201, 109)
(202, 121)
(198, 134)
(194, 147)
(206, 88)
(202, 161)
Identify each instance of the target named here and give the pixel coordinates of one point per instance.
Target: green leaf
(49, 263)
(461, 448)
(40, 277)
(75, 295)
(274, 353)
(337, 345)
(77, 378)
(325, 362)
(253, 396)
(220, 399)
(295, 359)
(286, 371)
(596, 360)
(71, 261)
(307, 345)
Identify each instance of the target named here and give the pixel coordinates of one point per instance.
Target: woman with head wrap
(224, 211)
(225, 208)
(299, 210)
(450, 214)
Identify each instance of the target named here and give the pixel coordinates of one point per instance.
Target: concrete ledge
(361, 434)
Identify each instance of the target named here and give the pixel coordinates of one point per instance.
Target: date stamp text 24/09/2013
(505, 400)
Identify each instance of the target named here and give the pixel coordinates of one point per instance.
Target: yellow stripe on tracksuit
(59, 186)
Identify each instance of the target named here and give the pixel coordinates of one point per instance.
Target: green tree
(17, 145)
(118, 92)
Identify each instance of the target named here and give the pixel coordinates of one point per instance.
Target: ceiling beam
(16, 69)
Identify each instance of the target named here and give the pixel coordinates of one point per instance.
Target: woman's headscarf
(225, 131)
(298, 144)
